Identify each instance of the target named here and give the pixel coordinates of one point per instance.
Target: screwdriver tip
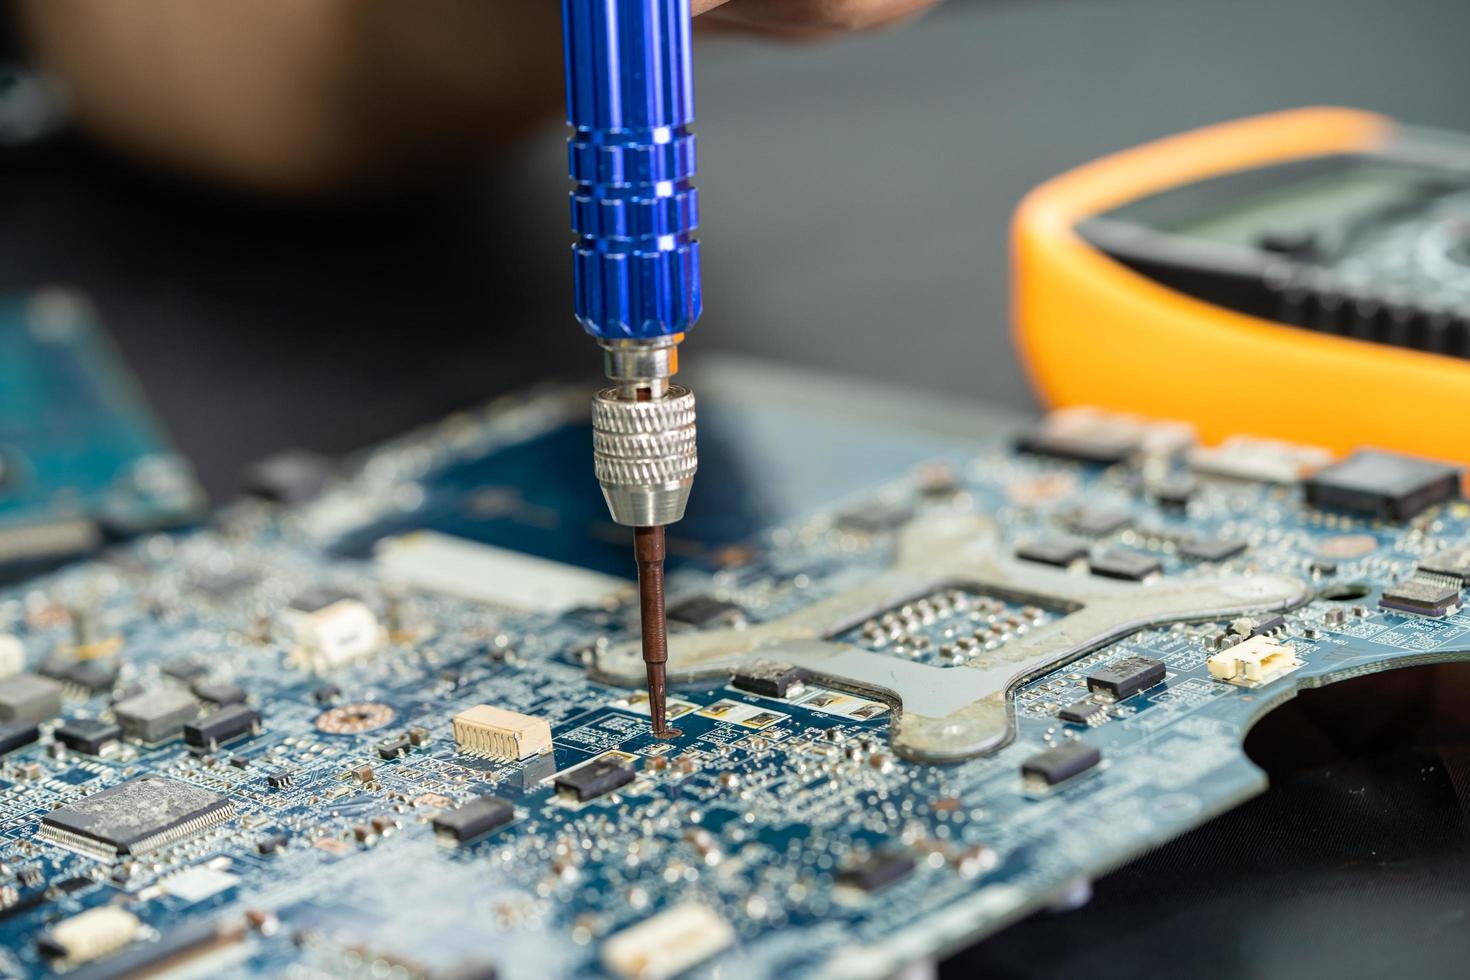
(648, 552)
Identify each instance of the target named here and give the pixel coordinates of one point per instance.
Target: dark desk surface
(855, 203)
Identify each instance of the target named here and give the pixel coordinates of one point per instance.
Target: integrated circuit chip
(771, 680)
(229, 722)
(705, 612)
(87, 735)
(1423, 595)
(28, 698)
(136, 817)
(1451, 562)
(877, 871)
(1126, 677)
(17, 736)
(156, 715)
(1083, 713)
(1127, 565)
(1094, 522)
(597, 778)
(91, 676)
(1061, 763)
(474, 819)
(1383, 485)
(1060, 552)
(1211, 548)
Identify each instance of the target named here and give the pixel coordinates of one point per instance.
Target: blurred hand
(333, 96)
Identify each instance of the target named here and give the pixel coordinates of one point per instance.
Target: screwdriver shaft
(648, 551)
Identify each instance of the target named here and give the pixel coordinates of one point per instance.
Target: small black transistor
(219, 692)
(1060, 552)
(474, 819)
(1126, 677)
(13, 737)
(594, 779)
(771, 680)
(87, 735)
(1082, 712)
(1127, 565)
(877, 871)
(704, 612)
(1060, 763)
(1382, 485)
(393, 748)
(1211, 549)
(229, 722)
(271, 844)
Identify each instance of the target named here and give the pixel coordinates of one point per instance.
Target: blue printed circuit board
(924, 683)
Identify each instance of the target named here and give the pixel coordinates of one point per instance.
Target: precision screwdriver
(630, 103)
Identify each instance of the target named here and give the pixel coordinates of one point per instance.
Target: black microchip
(16, 736)
(474, 819)
(1382, 485)
(278, 779)
(185, 669)
(239, 762)
(231, 721)
(704, 611)
(135, 817)
(1101, 450)
(1268, 625)
(1094, 522)
(1211, 548)
(877, 871)
(1174, 493)
(68, 885)
(1451, 562)
(1060, 552)
(394, 748)
(1425, 595)
(768, 679)
(1082, 712)
(271, 844)
(1126, 677)
(875, 518)
(219, 692)
(290, 477)
(1128, 565)
(91, 676)
(594, 779)
(329, 692)
(87, 735)
(1061, 763)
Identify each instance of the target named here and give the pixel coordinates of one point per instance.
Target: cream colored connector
(500, 734)
(1259, 660)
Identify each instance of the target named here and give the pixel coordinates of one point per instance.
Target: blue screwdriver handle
(630, 103)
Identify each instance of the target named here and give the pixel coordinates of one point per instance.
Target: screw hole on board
(1344, 591)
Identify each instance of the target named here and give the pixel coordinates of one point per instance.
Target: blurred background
(856, 195)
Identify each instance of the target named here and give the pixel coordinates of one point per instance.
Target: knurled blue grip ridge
(630, 102)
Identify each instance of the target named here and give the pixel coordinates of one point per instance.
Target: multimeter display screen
(1366, 245)
(1340, 200)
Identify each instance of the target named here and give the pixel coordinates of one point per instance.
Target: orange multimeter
(1302, 275)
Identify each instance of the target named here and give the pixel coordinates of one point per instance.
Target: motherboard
(384, 720)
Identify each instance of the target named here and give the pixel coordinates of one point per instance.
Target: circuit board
(924, 685)
(82, 457)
